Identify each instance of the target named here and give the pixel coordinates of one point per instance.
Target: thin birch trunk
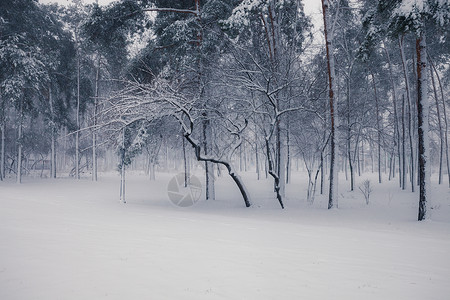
(19, 150)
(396, 125)
(444, 111)
(363, 158)
(122, 170)
(378, 127)
(403, 144)
(2, 155)
(281, 165)
(359, 160)
(408, 97)
(441, 135)
(94, 133)
(321, 174)
(53, 133)
(2, 129)
(245, 155)
(258, 175)
(77, 133)
(288, 151)
(349, 156)
(241, 161)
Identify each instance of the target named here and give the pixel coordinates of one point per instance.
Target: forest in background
(236, 85)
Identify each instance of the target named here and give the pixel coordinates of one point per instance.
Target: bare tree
(328, 29)
(162, 99)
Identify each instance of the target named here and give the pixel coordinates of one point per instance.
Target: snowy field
(62, 239)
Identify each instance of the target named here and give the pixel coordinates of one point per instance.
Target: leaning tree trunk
(333, 194)
(422, 113)
(236, 178)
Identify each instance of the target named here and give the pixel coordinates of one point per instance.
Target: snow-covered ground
(63, 239)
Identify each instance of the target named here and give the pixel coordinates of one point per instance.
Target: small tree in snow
(366, 189)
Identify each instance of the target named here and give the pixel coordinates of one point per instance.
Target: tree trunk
(359, 160)
(441, 135)
(245, 156)
(19, 150)
(241, 161)
(266, 169)
(288, 151)
(403, 144)
(391, 166)
(333, 194)
(53, 133)
(422, 114)
(151, 172)
(363, 158)
(122, 170)
(94, 131)
(280, 157)
(64, 158)
(258, 175)
(77, 133)
(272, 173)
(378, 127)
(53, 154)
(2, 154)
(186, 175)
(396, 125)
(444, 111)
(408, 97)
(209, 173)
(349, 156)
(236, 178)
(321, 174)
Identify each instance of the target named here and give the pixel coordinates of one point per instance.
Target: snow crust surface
(63, 239)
